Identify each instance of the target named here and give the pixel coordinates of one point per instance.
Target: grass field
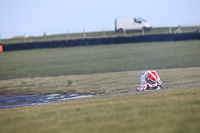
(175, 112)
(104, 58)
(101, 83)
(161, 30)
(117, 106)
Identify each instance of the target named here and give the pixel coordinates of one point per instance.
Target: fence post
(45, 35)
(84, 34)
(142, 31)
(124, 32)
(104, 34)
(67, 35)
(170, 30)
(24, 38)
(0, 38)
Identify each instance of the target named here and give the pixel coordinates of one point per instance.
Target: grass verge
(116, 83)
(98, 59)
(162, 30)
(117, 107)
(158, 112)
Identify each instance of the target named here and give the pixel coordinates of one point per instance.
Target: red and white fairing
(145, 75)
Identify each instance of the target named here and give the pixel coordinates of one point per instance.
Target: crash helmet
(152, 79)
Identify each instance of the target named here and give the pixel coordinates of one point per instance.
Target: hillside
(42, 38)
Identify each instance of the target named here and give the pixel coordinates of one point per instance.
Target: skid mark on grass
(12, 101)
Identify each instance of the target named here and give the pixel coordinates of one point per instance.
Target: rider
(150, 80)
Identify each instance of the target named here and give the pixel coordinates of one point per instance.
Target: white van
(132, 24)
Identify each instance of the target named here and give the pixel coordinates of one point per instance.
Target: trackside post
(1, 48)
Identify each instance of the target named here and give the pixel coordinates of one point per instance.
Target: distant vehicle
(132, 24)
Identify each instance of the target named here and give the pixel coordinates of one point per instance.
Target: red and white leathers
(150, 80)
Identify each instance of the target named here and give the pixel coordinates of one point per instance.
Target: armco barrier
(100, 41)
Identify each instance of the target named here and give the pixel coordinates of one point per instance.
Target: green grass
(108, 84)
(161, 30)
(104, 58)
(158, 112)
(117, 106)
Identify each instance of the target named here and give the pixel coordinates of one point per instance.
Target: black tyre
(121, 31)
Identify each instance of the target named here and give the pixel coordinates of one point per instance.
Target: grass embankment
(159, 112)
(161, 30)
(104, 58)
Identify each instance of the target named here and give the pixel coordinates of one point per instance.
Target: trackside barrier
(100, 41)
(1, 48)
